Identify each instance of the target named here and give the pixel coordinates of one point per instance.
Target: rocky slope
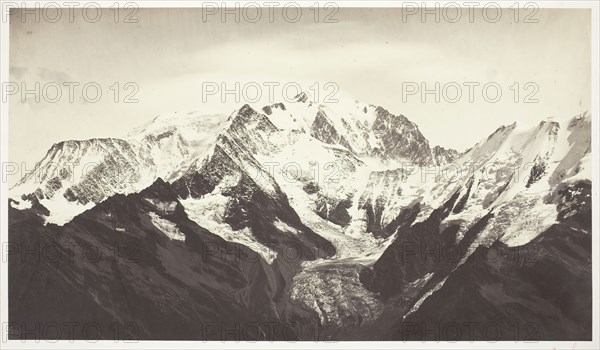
(338, 220)
(137, 267)
(524, 186)
(75, 175)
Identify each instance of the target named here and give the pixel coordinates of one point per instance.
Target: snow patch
(167, 227)
(282, 226)
(63, 211)
(21, 204)
(419, 302)
(208, 212)
(165, 207)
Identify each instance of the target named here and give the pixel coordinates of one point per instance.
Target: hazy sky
(369, 53)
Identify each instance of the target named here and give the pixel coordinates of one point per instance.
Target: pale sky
(370, 54)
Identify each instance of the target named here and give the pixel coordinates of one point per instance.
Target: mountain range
(307, 221)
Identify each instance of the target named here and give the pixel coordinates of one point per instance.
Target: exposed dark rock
(401, 138)
(403, 261)
(537, 292)
(463, 201)
(140, 282)
(536, 173)
(323, 130)
(334, 210)
(443, 156)
(311, 187)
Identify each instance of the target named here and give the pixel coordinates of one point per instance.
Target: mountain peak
(246, 111)
(86, 142)
(443, 156)
(301, 97)
(159, 190)
(269, 109)
(581, 119)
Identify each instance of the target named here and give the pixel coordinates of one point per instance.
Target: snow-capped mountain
(75, 175)
(518, 189)
(368, 130)
(349, 186)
